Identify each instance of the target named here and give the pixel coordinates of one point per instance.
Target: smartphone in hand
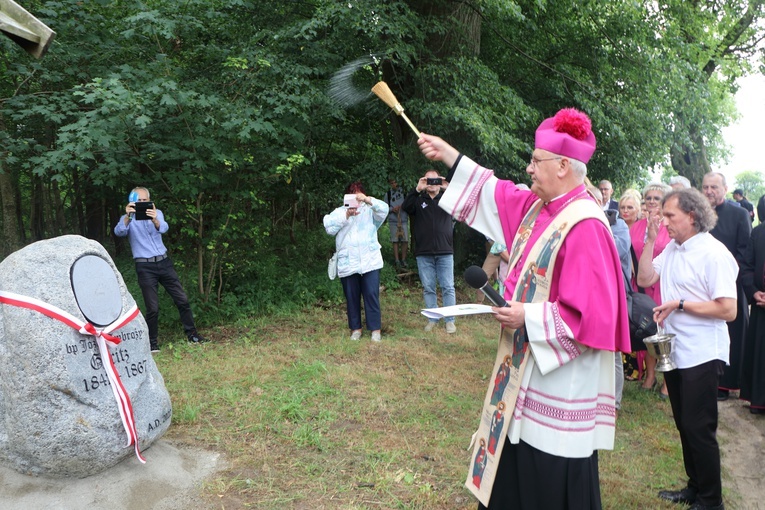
(350, 201)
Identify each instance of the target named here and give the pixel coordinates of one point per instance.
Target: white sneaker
(376, 336)
(430, 325)
(451, 328)
(356, 335)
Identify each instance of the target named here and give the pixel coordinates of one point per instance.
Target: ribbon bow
(90, 329)
(102, 336)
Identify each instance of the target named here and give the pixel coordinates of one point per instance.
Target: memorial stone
(58, 413)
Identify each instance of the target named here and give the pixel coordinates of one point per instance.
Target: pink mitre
(568, 133)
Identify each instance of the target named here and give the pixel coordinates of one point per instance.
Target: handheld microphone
(476, 278)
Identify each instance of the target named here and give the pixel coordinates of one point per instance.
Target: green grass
(309, 419)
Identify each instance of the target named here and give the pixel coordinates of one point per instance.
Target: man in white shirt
(698, 293)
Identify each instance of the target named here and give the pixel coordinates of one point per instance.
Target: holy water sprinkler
(382, 91)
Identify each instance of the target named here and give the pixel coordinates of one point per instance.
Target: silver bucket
(660, 347)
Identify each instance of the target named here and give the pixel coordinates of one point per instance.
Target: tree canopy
(221, 108)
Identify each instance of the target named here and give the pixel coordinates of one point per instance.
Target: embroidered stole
(533, 287)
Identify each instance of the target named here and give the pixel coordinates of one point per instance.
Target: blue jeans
(367, 285)
(439, 268)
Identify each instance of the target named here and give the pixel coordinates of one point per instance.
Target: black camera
(435, 181)
(140, 210)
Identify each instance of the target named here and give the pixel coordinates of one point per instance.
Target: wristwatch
(680, 306)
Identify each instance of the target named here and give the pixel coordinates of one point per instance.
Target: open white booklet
(453, 311)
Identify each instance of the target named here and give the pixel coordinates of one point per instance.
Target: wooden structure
(24, 29)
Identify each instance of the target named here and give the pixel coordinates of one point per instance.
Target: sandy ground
(173, 476)
(171, 479)
(742, 443)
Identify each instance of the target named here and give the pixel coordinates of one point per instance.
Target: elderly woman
(359, 259)
(629, 210)
(629, 206)
(653, 194)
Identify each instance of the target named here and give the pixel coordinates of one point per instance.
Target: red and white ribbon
(102, 336)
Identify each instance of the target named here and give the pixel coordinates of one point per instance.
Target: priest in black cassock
(733, 229)
(753, 279)
(738, 196)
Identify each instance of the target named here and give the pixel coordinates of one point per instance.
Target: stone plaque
(58, 413)
(96, 290)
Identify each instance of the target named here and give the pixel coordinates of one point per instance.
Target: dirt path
(742, 444)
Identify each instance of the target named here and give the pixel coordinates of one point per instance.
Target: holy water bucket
(659, 347)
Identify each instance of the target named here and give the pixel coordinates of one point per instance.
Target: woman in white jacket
(359, 259)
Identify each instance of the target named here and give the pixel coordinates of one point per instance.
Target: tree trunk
(691, 163)
(36, 210)
(11, 240)
(464, 38)
(77, 202)
(201, 250)
(59, 220)
(95, 215)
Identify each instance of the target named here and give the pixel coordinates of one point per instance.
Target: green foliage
(752, 183)
(221, 109)
(484, 122)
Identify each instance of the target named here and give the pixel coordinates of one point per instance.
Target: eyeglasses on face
(535, 161)
(653, 198)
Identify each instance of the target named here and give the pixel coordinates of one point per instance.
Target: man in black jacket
(434, 243)
(733, 229)
(738, 196)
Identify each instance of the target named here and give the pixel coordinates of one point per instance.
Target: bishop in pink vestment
(565, 410)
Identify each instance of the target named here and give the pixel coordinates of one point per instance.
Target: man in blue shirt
(153, 266)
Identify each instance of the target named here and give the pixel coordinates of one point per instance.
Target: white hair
(657, 186)
(579, 168)
(141, 188)
(679, 179)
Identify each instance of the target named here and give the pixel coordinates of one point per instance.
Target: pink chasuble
(510, 388)
(587, 286)
(565, 392)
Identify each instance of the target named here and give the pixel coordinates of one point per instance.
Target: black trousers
(150, 275)
(731, 376)
(693, 395)
(529, 479)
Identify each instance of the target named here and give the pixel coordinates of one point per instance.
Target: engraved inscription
(127, 365)
(159, 421)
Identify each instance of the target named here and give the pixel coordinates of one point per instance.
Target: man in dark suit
(607, 190)
(738, 196)
(733, 229)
